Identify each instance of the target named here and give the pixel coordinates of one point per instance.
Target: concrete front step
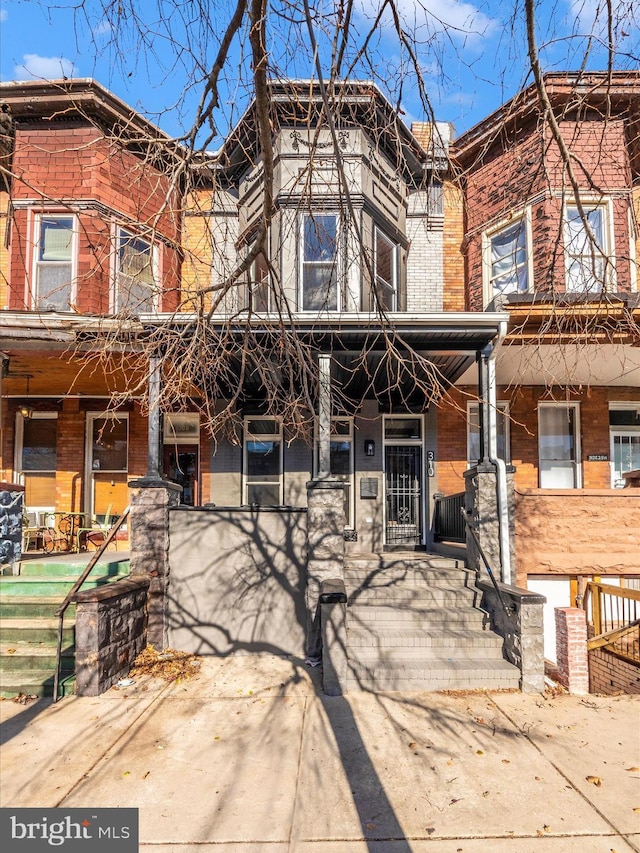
(416, 617)
(392, 655)
(44, 586)
(72, 565)
(408, 594)
(36, 683)
(435, 675)
(443, 638)
(32, 606)
(38, 630)
(27, 656)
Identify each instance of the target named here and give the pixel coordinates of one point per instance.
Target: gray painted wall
(237, 580)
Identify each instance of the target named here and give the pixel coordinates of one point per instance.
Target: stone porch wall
(577, 531)
(111, 631)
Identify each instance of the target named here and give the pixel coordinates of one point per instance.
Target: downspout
(489, 357)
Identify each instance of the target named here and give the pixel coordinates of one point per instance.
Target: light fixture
(369, 447)
(25, 409)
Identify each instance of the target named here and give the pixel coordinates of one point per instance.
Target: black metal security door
(403, 481)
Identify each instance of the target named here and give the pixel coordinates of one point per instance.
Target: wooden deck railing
(615, 615)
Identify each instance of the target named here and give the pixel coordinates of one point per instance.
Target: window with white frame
(262, 484)
(341, 460)
(386, 272)
(586, 243)
(55, 260)
(319, 254)
(507, 260)
(136, 287)
(559, 446)
(624, 432)
(474, 450)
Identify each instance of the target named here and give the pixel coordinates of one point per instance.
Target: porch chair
(98, 529)
(30, 528)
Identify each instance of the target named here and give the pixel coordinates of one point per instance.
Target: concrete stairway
(29, 628)
(413, 624)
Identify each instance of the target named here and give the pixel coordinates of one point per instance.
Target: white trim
(577, 461)
(618, 432)
(523, 215)
(589, 203)
(275, 436)
(120, 231)
(36, 263)
(377, 231)
(338, 260)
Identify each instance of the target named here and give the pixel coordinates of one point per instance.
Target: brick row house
(513, 301)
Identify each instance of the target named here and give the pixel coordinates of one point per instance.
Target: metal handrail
(509, 609)
(60, 611)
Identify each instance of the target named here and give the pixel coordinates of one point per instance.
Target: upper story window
(136, 287)
(319, 253)
(55, 261)
(507, 260)
(587, 243)
(386, 272)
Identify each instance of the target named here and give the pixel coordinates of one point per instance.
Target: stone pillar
(531, 643)
(481, 506)
(571, 649)
(334, 645)
(325, 549)
(150, 501)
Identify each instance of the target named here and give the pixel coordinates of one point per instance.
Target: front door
(181, 467)
(403, 481)
(625, 454)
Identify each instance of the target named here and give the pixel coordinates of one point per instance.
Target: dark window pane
(39, 444)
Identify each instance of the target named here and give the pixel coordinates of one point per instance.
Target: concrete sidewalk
(248, 757)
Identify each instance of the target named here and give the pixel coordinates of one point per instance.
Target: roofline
(56, 98)
(561, 87)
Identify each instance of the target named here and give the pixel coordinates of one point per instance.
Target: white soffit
(588, 364)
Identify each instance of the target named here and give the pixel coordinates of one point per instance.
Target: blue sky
(472, 56)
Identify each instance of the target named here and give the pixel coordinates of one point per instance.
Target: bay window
(386, 272)
(319, 254)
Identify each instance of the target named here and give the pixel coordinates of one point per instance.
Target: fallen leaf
(546, 828)
(637, 810)
(127, 773)
(144, 775)
(485, 793)
(506, 761)
(430, 830)
(595, 780)
(632, 769)
(455, 800)
(479, 752)
(11, 651)
(370, 826)
(412, 745)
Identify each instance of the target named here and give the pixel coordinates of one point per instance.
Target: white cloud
(591, 16)
(45, 67)
(457, 18)
(3, 15)
(104, 28)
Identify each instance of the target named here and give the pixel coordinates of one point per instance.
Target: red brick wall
(610, 674)
(528, 165)
(74, 161)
